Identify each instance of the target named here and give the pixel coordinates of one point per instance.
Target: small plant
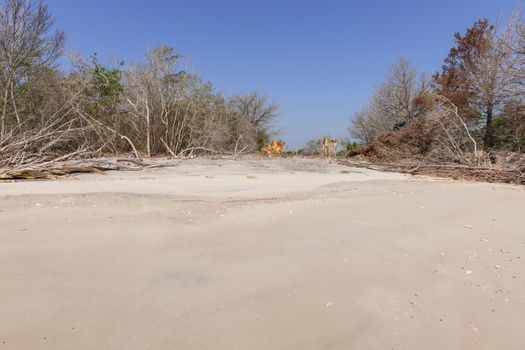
(351, 147)
(289, 154)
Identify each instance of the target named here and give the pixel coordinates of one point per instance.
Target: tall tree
(476, 75)
(27, 44)
(397, 103)
(257, 110)
(152, 91)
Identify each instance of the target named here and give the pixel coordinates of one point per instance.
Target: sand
(261, 254)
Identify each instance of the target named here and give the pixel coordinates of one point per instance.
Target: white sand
(273, 254)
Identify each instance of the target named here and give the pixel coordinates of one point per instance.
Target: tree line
(468, 112)
(156, 107)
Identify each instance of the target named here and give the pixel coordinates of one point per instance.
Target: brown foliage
(407, 142)
(453, 81)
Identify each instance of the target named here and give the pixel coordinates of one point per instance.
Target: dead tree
(28, 43)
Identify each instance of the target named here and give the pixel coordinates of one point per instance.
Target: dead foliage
(511, 171)
(395, 145)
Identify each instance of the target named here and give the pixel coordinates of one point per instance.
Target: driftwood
(513, 175)
(52, 170)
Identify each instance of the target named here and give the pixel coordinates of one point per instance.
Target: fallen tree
(512, 174)
(55, 169)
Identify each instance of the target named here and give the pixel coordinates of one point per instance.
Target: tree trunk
(4, 112)
(13, 102)
(148, 131)
(148, 137)
(489, 130)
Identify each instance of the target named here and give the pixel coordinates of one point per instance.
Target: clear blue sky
(321, 60)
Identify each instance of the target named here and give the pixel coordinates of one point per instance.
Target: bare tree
(360, 128)
(312, 148)
(27, 43)
(153, 90)
(256, 108)
(176, 113)
(451, 138)
(259, 111)
(393, 105)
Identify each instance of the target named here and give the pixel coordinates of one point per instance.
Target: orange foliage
(274, 149)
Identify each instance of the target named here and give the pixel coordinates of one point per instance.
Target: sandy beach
(261, 254)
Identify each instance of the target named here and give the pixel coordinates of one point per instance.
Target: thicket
(470, 113)
(156, 107)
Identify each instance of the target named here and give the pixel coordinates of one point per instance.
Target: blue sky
(321, 60)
